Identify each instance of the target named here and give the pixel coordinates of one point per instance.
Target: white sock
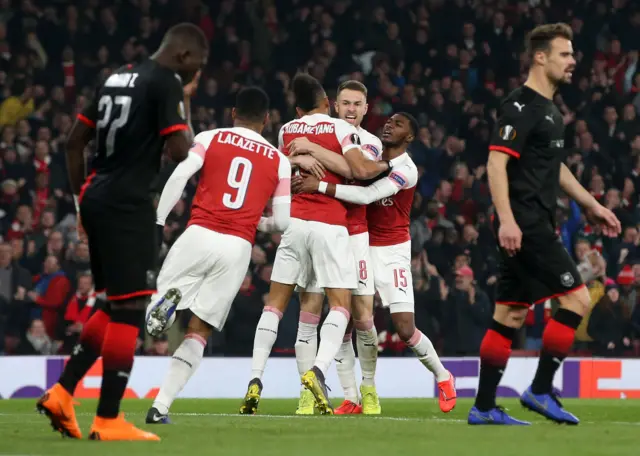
(367, 340)
(266, 334)
(307, 341)
(331, 335)
(423, 348)
(184, 363)
(345, 365)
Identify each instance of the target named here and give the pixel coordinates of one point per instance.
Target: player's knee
(404, 325)
(339, 298)
(362, 310)
(199, 327)
(579, 301)
(510, 316)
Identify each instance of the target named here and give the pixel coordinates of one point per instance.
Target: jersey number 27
(106, 104)
(238, 179)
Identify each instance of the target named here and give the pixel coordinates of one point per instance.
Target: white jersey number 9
(238, 179)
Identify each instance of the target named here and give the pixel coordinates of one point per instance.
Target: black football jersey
(132, 112)
(530, 128)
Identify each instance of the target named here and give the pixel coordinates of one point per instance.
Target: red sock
(495, 349)
(94, 330)
(557, 339)
(118, 352)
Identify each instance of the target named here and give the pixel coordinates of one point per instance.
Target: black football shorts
(543, 269)
(123, 248)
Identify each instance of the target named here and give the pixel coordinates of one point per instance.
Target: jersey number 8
(106, 103)
(238, 179)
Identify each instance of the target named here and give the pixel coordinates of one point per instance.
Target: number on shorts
(399, 278)
(238, 179)
(362, 269)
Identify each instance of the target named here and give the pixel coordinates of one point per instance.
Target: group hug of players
(345, 234)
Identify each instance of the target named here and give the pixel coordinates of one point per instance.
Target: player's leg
(345, 366)
(57, 402)
(560, 279)
(306, 347)
(332, 262)
(289, 268)
(512, 304)
(130, 253)
(394, 282)
(189, 263)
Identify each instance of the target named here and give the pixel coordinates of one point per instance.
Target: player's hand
(311, 165)
(82, 234)
(308, 184)
(190, 89)
(510, 237)
(302, 146)
(606, 219)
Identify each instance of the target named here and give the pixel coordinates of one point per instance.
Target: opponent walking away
(136, 112)
(316, 244)
(388, 221)
(240, 173)
(525, 172)
(351, 106)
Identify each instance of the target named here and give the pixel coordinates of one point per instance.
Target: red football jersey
(388, 218)
(357, 213)
(240, 174)
(335, 135)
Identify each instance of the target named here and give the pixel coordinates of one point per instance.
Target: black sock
(118, 352)
(557, 340)
(494, 355)
(86, 352)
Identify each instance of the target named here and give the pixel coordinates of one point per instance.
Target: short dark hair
(252, 104)
(354, 85)
(308, 91)
(187, 34)
(413, 123)
(540, 38)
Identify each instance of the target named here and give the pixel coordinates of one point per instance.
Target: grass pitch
(212, 427)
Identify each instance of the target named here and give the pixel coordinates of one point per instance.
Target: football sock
(494, 355)
(367, 342)
(118, 351)
(331, 335)
(266, 334)
(184, 363)
(86, 352)
(423, 348)
(306, 346)
(557, 340)
(345, 365)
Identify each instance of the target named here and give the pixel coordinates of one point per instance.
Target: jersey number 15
(106, 104)
(238, 179)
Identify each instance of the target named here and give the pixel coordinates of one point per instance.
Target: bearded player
(388, 222)
(351, 105)
(525, 172)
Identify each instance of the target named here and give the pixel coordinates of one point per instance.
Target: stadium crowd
(447, 62)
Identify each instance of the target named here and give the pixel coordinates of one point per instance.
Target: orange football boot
(348, 408)
(447, 394)
(118, 429)
(57, 404)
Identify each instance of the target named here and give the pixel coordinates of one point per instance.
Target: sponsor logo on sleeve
(398, 179)
(508, 133)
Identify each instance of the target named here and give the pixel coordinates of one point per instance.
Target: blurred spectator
(78, 310)
(609, 325)
(50, 293)
(15, 282)
(159, 346)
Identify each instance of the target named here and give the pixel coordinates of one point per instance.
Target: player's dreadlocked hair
(413, 123)
(252, 104)
(308, 91)
(540, 38)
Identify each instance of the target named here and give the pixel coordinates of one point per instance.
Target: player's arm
(174, 187)
(280, 201)
(81, 134)
(172, 117)
(575, 190)
(330, 160)
(382, 188)
(361, 168)
(499, 185)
